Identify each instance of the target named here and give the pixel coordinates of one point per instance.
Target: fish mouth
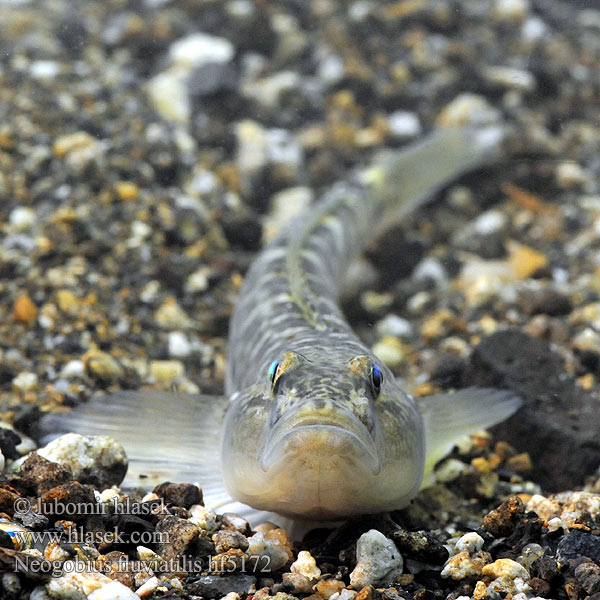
(321, 443)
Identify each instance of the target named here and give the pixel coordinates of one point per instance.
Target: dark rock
(502, 521)
(540, 587)
(212, 78)
(546, 301)
(396, 254)
(116, 565)
(448, 371)
(70, 501)
(419, 545)
(179, 494)
(587, 576)
(7, 501)
(41, 475)
(559, 421)
(9, 440)
(577, 543)
(243, 231)
(178, 535)
(213, 586)
(546, 568)
(225, 539)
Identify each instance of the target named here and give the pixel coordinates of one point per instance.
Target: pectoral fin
(167, 436)
(448, 417)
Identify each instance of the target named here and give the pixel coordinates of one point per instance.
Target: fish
(312, 425)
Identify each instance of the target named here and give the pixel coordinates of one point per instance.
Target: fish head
(326, 438)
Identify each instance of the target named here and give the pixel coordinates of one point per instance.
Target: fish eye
(376, 379)
(272, 373)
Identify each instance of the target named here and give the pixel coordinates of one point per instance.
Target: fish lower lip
(323, 442)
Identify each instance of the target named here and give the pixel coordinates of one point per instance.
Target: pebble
(470, 542)
(214, 586)
(404, 124)
(25, 382)
(502, 521)
(114, 590)
(75, 582)
(271, 554)
(21, 218)
(464, 564)
(394, 326)
(166, 370)
(306, 565)
(570, 175)
(468, 108)
(391, 350)
(98, 460)
(24, 309)
(377, 560)
(148, 588)
(170, 315)
(577, 543)
(587, 574)
(102, 365)
(505, 567)
(200, 48)
(510, 10)
(73, 369)
(508, 77)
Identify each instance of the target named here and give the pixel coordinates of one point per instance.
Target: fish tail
(405, 179)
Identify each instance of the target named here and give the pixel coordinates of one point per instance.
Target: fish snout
(320, 440)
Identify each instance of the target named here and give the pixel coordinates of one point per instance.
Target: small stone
(327, 587)
(74, 368)
(98, 460)
(179, 494)
(404, 124)
(203, 518)
(21, 218)
(470, 542)
(587, 574)
(114, 590)
(166, 370)
(76, 584)
(179, 345)
(127, 190)
(394, 326)
(508, 77)
(199, 49)
(42, 474)
(520, 463)
(25, 310)
(148, 588)
(570, 175)
(9, 440)
(378, 560)
(102, 365)
(502, 521)
(306, 565)
(449, 470)
(171, 316)
(480, 591)
(463, 565)
(227, 540)
(391, 350)
(179, 534)
(300, 583)
(510, 11)
(505, 567)
(577, 543)
(468, 108)
(235, 523)
(25, 382)
(270, 553)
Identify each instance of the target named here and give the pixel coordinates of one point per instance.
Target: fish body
(313, 425)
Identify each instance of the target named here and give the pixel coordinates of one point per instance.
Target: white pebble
(114, 590)
(21, 218)
(378, 560)
(471, 542)
(404, 124)
(200, 49)
(148, 587)
(179, 345)
(306, 565)
(393, 325)
(490, 222)
(430, 268)
(25, 382)
(74, 368)
(510, 10)
(570, 174)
